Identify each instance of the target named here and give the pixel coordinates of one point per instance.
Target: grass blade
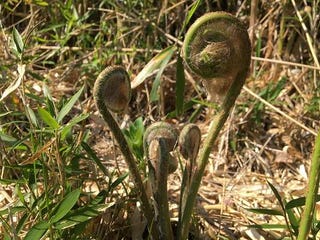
(276, 194)
(189, 15)
(118, 181)
(268, 226)
(66, 108)
(265, 211)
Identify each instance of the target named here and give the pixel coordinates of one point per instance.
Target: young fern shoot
(159, 140)
(112, 91)
(217, 49)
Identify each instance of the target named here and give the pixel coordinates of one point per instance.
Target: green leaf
(273, 212)
(268, 226)
(294, 222)
(66, 108)
(154, 96)
(18, 42)
(41, 3)
(298, 202)
(48, 119)
(37, 231)
(73, 122)
(180, 84)
(13, 210)
(6, 138)
(154, 64)
(100, 198)
(66, 205)
(277, 194)
(22, 221)
(119, 180)
(189, 15)
(94, 157)
(81, 215)
(32, 116)
(134, 136)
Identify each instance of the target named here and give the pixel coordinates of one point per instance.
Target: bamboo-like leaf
(180, 83)
(100, 198)
(13, 210)
(13, 86)
(37, 231)
(18, 42)
(94, 157)
(118, 180)
(48, 119)
(81, 215)
(66, 108)
(154, 64)
(66, 205)
(298, 202)
(72, 123)
(154, 96)
(7, 138)
(32, 116)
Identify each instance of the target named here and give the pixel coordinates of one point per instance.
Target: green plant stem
(313, 186)
(216, 125)
(123, 145)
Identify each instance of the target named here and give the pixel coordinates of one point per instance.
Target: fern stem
(217, 49)
(109, 74)
(215, 127)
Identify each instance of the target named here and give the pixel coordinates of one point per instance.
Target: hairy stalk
(161, 195)
(313, 186)
(216, 48)
(189, 143)
(116, 79)
(159, 140)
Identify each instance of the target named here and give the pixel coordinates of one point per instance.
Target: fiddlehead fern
(217, 49)
(189, 143)
(159, 140)
(169, 134)
(112, 91)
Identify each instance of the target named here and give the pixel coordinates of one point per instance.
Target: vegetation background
(59, 164)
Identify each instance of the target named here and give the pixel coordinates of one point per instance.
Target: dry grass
(269, 135)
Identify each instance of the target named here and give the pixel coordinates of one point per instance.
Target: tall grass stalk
(313, 186)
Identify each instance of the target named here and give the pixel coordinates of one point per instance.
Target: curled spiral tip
(189, 141)
(166, 132)
(161, 130)
(217, 49)
(112, 88)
